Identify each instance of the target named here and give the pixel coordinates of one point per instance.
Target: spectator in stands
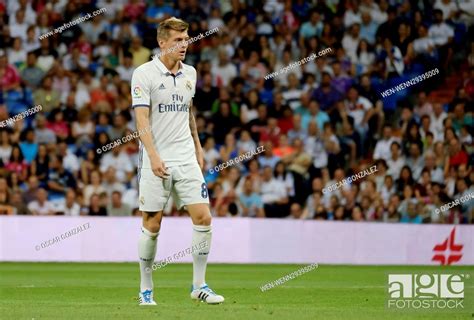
(17, 163)
(5, 146)
(296, 211)
(250, 202)
(297, 132)
(40, 165)
(9, 77)
(71, 207)
(368, 28)
(351, 41)
(43, 134)
(19, 206)
(223, 121)
(457, 155)
(5, 207)
(224, 69)
(116, 207)
(59, 179)
(46, 96)
(268, 158)
(29, 148)
(411, 215)
(95, 208)
(442, 35)
(437, 120)
(83, 129)
(383, 146)
(140, 54)
(274, 195)
(31, 74)
(58, 125)
(315, 114)
(394, 61)
(110, 182)
(41, 206)
(415, 160)
(94, 187)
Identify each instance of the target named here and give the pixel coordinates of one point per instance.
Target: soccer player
(170, 156)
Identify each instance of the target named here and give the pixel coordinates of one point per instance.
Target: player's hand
(158, 167)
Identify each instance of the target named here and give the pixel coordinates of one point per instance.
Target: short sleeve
(141, 88)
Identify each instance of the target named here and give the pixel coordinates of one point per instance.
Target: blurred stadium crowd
(319, 123)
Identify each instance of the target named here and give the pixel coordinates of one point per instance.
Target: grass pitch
(109, 290)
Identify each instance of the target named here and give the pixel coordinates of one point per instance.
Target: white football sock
(146, 254)
(201, 244)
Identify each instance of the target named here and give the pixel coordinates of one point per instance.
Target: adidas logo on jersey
(162, 87)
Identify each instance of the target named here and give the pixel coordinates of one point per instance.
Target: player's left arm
(194, 133)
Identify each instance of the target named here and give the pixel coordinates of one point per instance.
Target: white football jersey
(169, 98)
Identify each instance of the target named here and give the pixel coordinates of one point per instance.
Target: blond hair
(173, 23)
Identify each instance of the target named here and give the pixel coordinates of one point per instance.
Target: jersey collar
(165, 70)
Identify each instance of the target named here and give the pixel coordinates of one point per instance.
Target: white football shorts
(186, 184)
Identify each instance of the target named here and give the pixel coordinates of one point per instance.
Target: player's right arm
(141, 103)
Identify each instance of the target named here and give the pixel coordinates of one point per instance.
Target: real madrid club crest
(189, 86)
